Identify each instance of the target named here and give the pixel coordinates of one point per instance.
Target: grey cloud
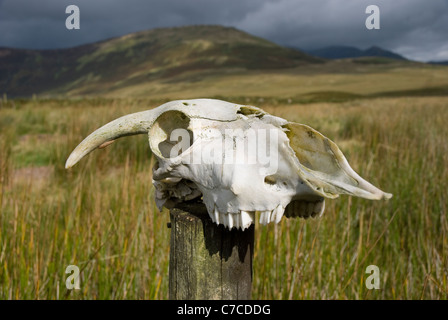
(41, 24)
(415, 28)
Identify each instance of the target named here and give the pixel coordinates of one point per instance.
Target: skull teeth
(277, 214)
(230, 221)
(265, 217)
(244, 219)
(216, 216)
(304, 209)
(272, 215)
(319, 209)
(241, 220)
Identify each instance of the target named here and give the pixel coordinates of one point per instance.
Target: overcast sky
(417, 29)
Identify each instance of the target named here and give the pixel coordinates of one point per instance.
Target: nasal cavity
(270, 180)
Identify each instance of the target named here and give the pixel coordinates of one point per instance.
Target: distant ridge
(444, 63)
(341, 52)
(141, 57)
(204, 61)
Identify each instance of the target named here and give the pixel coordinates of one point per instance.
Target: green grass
(101, 216)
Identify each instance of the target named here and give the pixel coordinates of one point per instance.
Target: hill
(140, 57)
(443, 63)
(341, 52)
(208, 61)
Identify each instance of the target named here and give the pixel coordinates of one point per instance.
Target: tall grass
(101, 216)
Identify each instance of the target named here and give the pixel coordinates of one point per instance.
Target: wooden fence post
(207, 261)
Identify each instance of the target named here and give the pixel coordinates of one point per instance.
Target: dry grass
(101, 216)
(335, 76)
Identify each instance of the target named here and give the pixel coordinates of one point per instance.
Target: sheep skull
(240, 159)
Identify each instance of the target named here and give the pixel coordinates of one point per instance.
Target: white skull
(241, 160)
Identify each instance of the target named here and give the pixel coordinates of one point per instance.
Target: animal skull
(240, 159)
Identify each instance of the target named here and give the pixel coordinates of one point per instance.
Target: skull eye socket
(169, 136)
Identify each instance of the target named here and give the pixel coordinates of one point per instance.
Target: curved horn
(131, 124)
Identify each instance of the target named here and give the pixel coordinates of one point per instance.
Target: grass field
(340, 76)
(101, 216)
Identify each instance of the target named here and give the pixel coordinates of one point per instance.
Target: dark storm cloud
(415, 28)
(41, 24)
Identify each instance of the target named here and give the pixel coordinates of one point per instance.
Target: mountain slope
(140, 57)
(380, 52)
(443, 63)
(336, 52)
(341, 52)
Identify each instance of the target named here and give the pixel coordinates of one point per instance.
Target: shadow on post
(208, 261)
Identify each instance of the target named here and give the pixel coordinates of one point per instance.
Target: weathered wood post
(207, 261)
